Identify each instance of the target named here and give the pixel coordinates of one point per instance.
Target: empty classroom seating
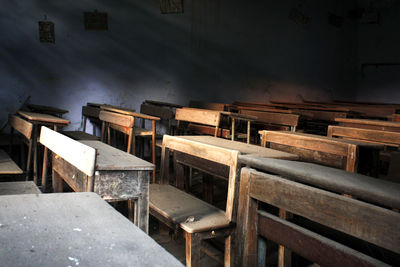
(201, 121)
(358, 231)
(198, 219)
(281, 121)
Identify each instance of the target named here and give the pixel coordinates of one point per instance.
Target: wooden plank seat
(315, 192)
(8, 168)
(198, 219)
(201, 121)
(92, 166)
(25, 129)
(333, 152)
(18, 188)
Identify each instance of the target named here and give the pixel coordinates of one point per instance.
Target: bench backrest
(91, 111)
(22, 126)
(362, 220)
(204, 117)
(313, 148)
(373, 136)
(207, 105)
(116, 118)
(214, 154)
(158, 111)
(81, 156)
(274, 118)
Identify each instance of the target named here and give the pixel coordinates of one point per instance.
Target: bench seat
(7, 165)
(177, 206)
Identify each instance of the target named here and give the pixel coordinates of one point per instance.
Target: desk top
(370, 122)
(7, 165)
(129, 112)
(111, 158)
(39, 117)
(72, 229)
(331, 139)
(47, 109)
(243, 148)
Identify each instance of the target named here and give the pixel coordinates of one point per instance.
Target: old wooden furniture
(333, 152)
(94, 166)
(201, 121)
(390, 126)
(58, 112)
(282, 121)
(123, 120)
(314, 192)
(18, 188)
(208, 105)
(75, 229)
(8, 167)
(198, 219)
(38, 119)
(25, 129)
(239, 117)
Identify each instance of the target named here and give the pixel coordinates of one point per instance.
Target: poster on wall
(46, 32)
(95, 21)
(171, 6)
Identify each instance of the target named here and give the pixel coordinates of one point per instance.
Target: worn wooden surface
(22, 126)
(91, 111)
(359, 219)
(111, 158)
(78, 154)
(243, 148)
(207, 105)
(39, 117)
(129, 112)
(208, 130)
(76, 229)
(78, 135)
(391, 126)
(367, 135)
(47, 109)
(18, 188)
(201, 116)
(7, 165)
(118, 119)
(273, 117)
(160, 103)
(160, 112)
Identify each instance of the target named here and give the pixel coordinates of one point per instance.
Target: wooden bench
(208, 105)
(91, 112)
(333, 152)
(178, 209)
(281, 121)
(201, 121)
(380, 125)
(18, 188)
(25, 129)
(92, 166)
(314, 192)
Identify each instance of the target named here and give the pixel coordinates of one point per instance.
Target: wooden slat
(273, 117)
(115, 118)
(370, 124)
(207, 105)
(202, 116)
(22, 126)
(209, 130)
(81, 156)
(153, 110)
(7, 165)
(368, 135)
(361, 220)
(129, 112)
(310, 245)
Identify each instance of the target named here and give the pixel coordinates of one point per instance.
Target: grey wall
(218, 50)
(379, 43)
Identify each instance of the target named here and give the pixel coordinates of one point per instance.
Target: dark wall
(379, 43)
(217, 50)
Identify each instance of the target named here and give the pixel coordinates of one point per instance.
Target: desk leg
(233, 129)
(142, 213)
(153, 148)
(34, 150)
(248, 132)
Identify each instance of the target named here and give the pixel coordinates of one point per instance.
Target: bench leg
(57, 182)
(193, 243)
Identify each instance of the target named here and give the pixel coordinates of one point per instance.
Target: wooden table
(117, 176)
(138, 131)
(39, 119)
(72, 229)
(244, 149)
(241, 117)
(391, 126)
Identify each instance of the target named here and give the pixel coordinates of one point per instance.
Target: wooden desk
(240, 117)
(7, 165)
(47, 110)
(117, 176)
(391, 126)
(136, 131)
(72, 229)
(39, 119)
(166, 104)
(244, 149)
